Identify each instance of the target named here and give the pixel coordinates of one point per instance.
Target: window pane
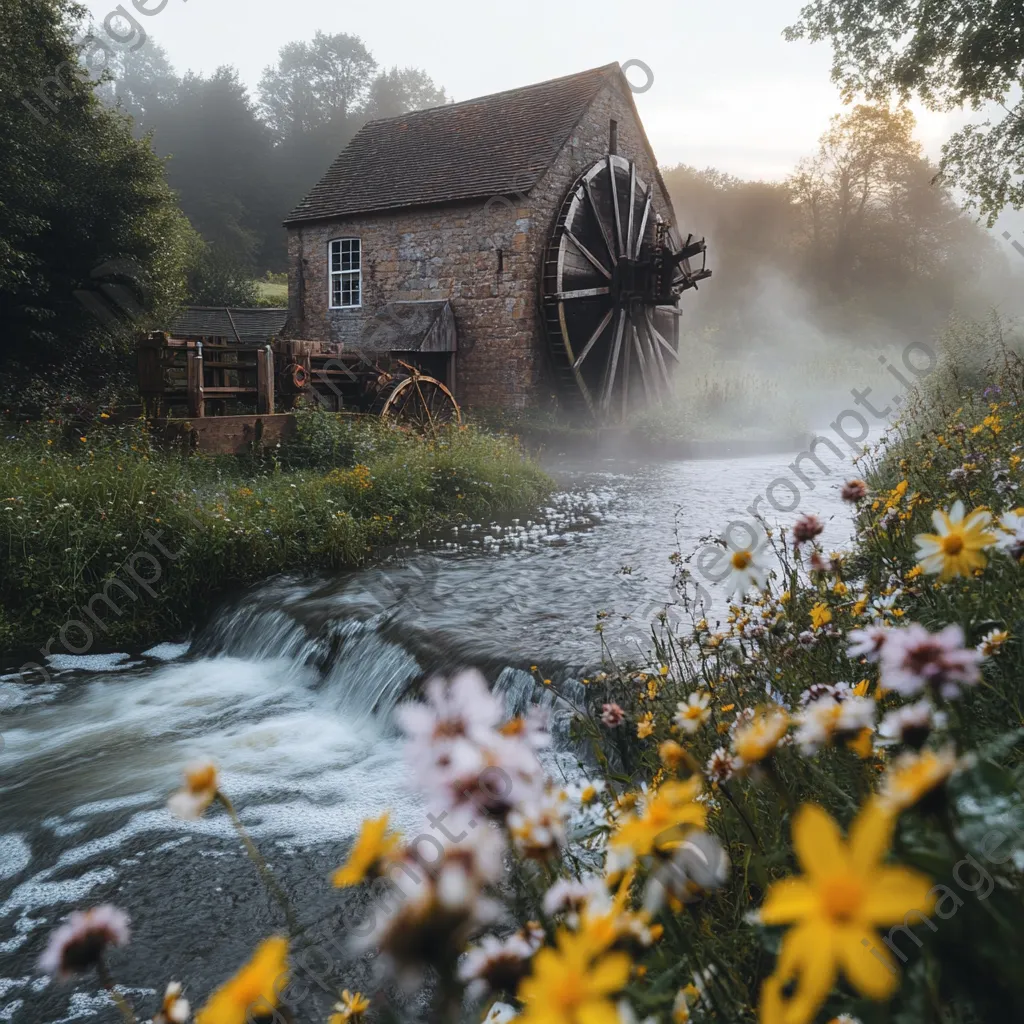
(335, 290)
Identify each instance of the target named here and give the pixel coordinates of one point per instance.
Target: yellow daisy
(254, 991)
(373, 844)
(955, 549)
(835, 908)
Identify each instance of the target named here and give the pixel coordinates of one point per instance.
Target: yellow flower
(672, 754)
(840, 589)
(845, 894)
(373, 844)
(667, 813)
(758, 738)
(254, 991)
(568, 985)
(956, 549)
(645, 726)
(821, 615)
(993, 641)
(859, 607)
(912, 574)
(912, 776)
(352, 1006)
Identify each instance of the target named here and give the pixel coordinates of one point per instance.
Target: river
(290, 687)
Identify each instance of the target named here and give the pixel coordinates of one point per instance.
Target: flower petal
(867, 962)
(788, 900)
(818, 842)
(807, 957)
(956, 513)
(870, 836)
(609, 974)
(597, 1011)
(896, 894)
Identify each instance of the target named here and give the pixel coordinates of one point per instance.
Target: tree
(89, 230)
(316, 85)
(962, 53)
(398, 91)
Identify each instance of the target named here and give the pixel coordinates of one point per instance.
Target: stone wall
(483, 256)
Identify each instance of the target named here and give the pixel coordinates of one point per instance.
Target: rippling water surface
(291, 689)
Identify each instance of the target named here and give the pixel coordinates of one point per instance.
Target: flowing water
(291, 688)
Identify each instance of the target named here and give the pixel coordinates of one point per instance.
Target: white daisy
(692, 713)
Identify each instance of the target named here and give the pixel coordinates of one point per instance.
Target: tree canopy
(90, 233)
(962, 53)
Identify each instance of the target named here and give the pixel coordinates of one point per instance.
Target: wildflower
(835, 909)
(913, 659)
(867, 643)
(174, 1009)
(912, 724)
(992, 642)
(681, 1006)
(351, 1006)
(79, 943)
(499, 1013)
(955, 549)
(645, 727)
(254, 991)
(568, 985)
(199, 792)
(537, 825)
(821, 615)
(496, 965)
(672, 754)
(665, 816)
(885, 606)
(722, 765)
(854, 490)
(693, 713)
(745, 572)
(585, 792)
(373, 846)
(612, 715)
(568, 894)
(699, 865)
(827, 719)
(1012, 541)
(913, 776)
(806, 528)
(757, 739)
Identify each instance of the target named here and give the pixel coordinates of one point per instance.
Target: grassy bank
(104, 512)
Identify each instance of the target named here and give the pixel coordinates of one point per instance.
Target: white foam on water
(91, 662)
(167, 651)
(15, 855)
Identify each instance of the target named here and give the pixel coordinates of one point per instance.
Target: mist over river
(290, 688)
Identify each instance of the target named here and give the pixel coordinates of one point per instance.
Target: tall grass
(80, 510)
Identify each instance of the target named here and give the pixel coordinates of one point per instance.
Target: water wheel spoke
(641, 360)
(632, 210)
(599, 221)
(613, 362)
(661, 376)
(656, 334)
(613, 185)
(648, 202)
(580, 293)
(592, 259)
(605, 321)
(626, 361)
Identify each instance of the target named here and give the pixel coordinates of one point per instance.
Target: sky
(728, 91)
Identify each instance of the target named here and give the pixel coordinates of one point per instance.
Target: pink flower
(867, 643)
(853, 490)
(80, 942)
(806, 528)
(913, 659)
(612, 715)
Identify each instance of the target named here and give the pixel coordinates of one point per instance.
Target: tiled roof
(251, 325)
(492, 146)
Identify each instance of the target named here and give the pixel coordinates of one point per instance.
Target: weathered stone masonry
(484, 256)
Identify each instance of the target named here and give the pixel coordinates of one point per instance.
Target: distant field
(277, 292)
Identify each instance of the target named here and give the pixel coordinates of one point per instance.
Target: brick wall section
(451, 252)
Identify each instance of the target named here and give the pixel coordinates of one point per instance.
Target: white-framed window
(346, 266)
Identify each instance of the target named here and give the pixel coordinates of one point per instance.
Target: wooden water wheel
(415, 400)
(613, 274)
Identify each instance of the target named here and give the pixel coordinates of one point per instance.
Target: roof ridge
(605, 68)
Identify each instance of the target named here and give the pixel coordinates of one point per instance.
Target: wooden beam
(594, 261)
(613, 365)
(600, 223)
(579, 293)
(632, 207)
(606, 320)
(615, 203)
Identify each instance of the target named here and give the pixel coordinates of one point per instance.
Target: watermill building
(516, 245)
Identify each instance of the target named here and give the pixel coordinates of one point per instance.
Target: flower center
(741, 559)
(952, 544)
(842, 896)
(569, 991)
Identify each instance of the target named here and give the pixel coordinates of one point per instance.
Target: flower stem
(266, 875)
(108, 983)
